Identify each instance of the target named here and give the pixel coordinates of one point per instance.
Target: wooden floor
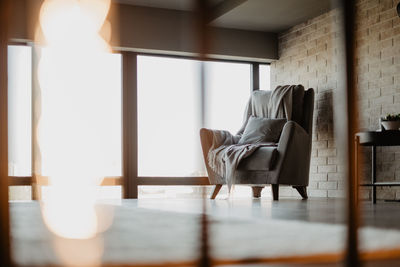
(322, 210)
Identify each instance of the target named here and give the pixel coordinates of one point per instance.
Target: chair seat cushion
(263, 159)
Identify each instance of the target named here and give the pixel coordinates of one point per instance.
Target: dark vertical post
(202, 115)
(202, 13)
(129, 125)
(255, 77)
(352, 256)
(203, 43)
(373, 174)
(5, 259)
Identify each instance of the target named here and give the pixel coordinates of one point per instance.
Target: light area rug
(140, 235)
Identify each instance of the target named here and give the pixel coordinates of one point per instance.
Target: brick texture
(310, 54)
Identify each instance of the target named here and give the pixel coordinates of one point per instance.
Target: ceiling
(185, 5)
(272, 15)
(256, 15)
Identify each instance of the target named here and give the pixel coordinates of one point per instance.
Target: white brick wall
(309, 55)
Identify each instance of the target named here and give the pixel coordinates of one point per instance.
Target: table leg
(373, 174)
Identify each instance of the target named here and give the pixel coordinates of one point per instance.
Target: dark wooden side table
(374, 139)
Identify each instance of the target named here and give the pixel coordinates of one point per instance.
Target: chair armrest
(207, 141)
(208, 138)
(294, 150)
(291, 130)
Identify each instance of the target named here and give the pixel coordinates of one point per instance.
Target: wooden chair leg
(36, 191)
(302, 191)
(257, 191)
(275, 191)
(216, 190)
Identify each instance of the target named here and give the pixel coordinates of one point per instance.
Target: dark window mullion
(129, 125)
(255, 76)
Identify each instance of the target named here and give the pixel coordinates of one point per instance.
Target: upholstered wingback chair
(284, 163)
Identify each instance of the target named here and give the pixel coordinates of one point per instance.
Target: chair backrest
(308, 110)
(302, 106)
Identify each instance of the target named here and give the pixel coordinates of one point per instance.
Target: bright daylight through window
(20, 118)
(265, 80)
(19, 110)
(168, 105)
(169, 111)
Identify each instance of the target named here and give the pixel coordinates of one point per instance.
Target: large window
(20, 111)
(98, 105)
(168, 117)
(169, 108)
(88, 110)
(169, 111)
(21, 64)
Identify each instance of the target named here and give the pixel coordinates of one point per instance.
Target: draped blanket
(225, 154)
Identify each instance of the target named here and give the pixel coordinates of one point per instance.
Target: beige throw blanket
(225, 154)
(280, 103)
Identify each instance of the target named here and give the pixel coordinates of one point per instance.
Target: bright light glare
(75, 218)
(86, 252)
(74, 77)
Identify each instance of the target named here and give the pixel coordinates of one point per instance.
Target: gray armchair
(286, 162)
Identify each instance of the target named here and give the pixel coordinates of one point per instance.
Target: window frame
(130, 180)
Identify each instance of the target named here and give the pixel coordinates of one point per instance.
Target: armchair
(284, 163)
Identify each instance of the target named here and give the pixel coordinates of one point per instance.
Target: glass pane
(19, 110)
(227, 92)
(105, 115)
(112, 116)
(265, 77)
(169, 111)
(168, 117)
